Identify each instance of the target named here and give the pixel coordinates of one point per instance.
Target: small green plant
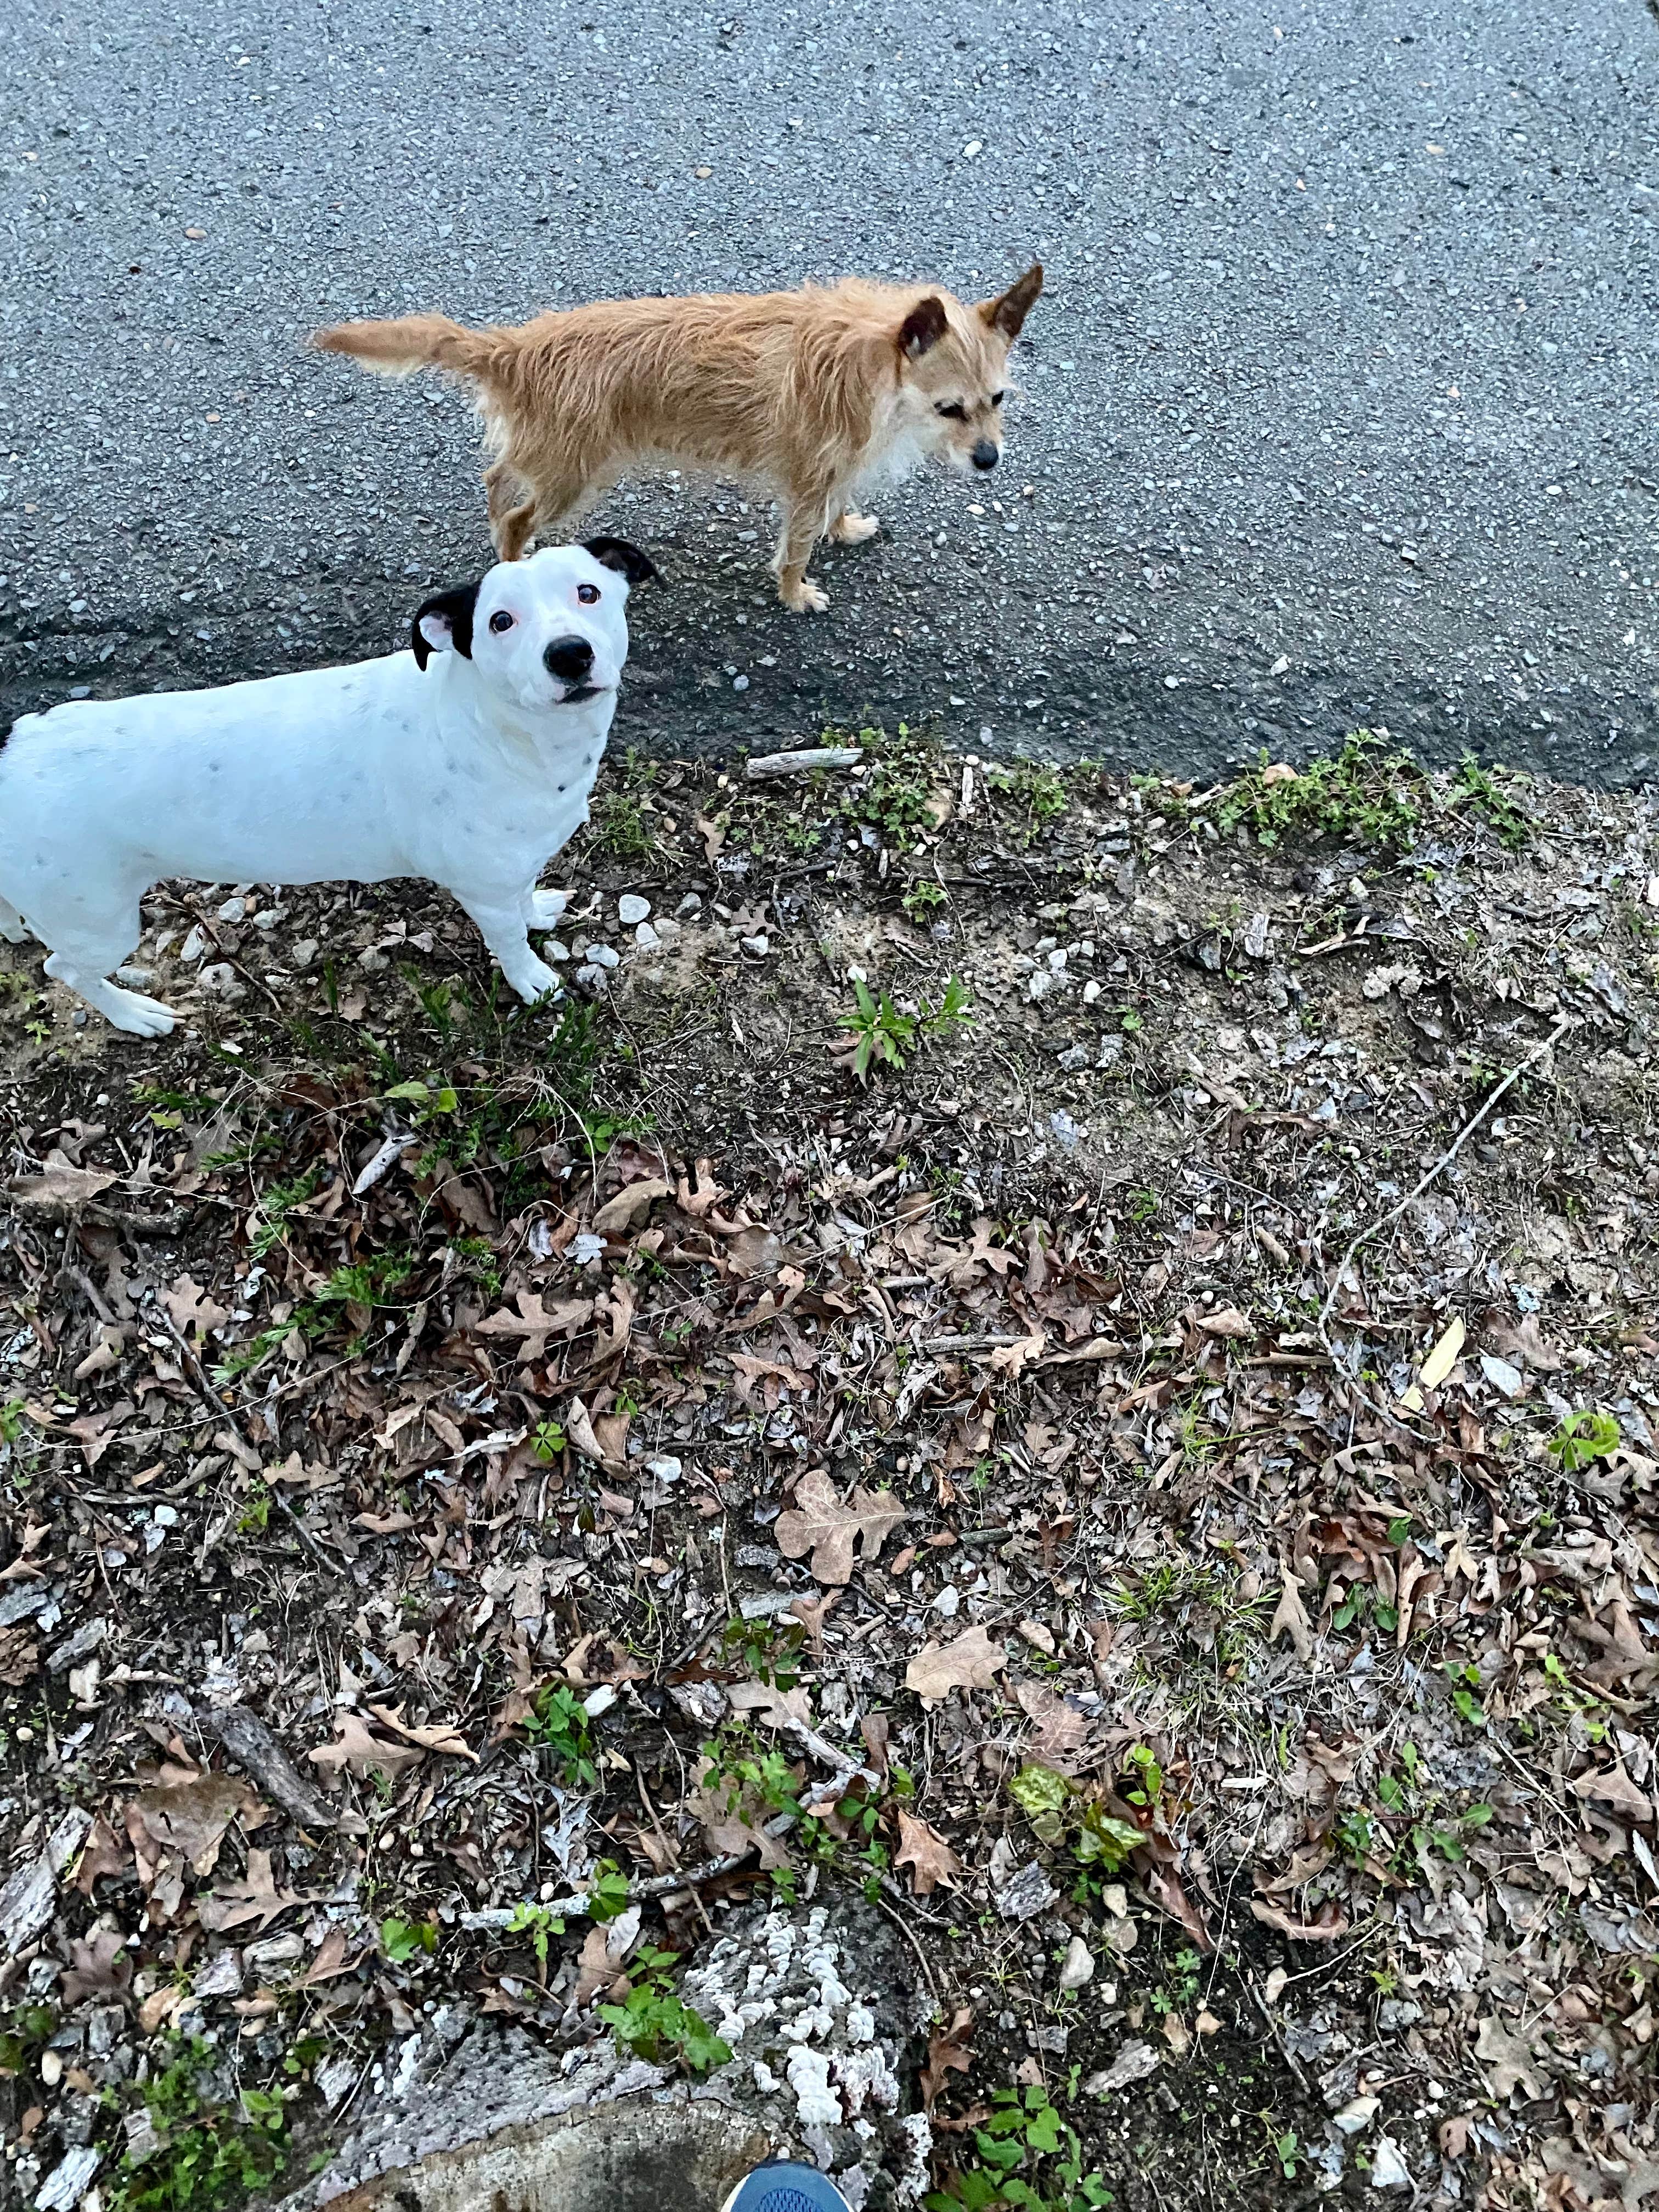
(607, 1893)
(1026, 2155)
(11, 1420)
(547, 1441)
(880, 1036)
(1367, 793)
(895, 794)
(403, 1940)
(659, 2027)
(558, 1722)
(275, 1205)
(540, 1924)
(767, 1652)
(619, 826)
(254, 1518)
(925, 897)
(1038, 794)
(210, 2156)
(1286, 2147)
(1582, 1438)
(1477, 790)
(1099, 1840)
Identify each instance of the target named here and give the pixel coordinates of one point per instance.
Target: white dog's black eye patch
(455, 609)
(626, 560)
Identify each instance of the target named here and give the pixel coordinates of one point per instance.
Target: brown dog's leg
(513, 530)
(851, 529)
(803, 523)
(550, 501)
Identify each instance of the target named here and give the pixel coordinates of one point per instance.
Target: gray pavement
(1339, 407)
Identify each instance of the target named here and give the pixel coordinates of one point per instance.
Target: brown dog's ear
(443, 623)
(1007, 313)
(922, 328)
(626, 560)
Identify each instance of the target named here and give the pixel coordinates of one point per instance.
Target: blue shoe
(780, 2185)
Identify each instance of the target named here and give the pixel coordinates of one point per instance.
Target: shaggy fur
(811, 394)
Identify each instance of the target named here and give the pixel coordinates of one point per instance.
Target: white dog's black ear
(443, 623)
(922, 328)
(626, 560)
(1008, 311)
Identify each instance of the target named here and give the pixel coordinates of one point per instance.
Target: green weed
(1582, 1439)
(403, 1940)
(1025, 2155)
(1367, 793)
(211, 2156)
(558, 1722)
(881, 1036)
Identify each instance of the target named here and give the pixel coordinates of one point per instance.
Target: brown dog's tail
(398, 348)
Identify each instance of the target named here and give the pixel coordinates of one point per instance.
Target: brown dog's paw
(804, 598)
(850, 529)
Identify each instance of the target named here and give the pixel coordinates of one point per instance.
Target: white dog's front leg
(11, 924)
(544, 910)
(503, 930)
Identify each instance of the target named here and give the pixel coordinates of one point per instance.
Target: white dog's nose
(569, 659)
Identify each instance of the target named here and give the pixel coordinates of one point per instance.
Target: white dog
(469, 761)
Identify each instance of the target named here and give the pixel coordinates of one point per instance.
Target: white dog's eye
(587, 593)
(501, 620)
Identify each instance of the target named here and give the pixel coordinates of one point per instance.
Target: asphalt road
(1339, 407)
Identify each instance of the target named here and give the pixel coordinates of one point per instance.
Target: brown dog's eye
(500, 621)
(587, 593)
(953, 409)
(997, 399)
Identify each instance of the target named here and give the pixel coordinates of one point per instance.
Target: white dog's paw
(138, 1016)
(850, 529)
(547, 907)
(11, 925)
(804, 598)
(534, 981)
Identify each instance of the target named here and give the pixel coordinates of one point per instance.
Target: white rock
(759, 946)
(232, 909)
(1090, 992)
(647, 937)
(1502, 1376)
(602, 956)
(68, 2182)
(1132, 2063)
(631, 910)
(303, 953)
(1388, 2169)
(193, 946)
(1077, 1965)
(136, 979)
(690, 904)
(1358, 2115)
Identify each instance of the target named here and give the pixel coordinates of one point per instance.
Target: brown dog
(815, 394)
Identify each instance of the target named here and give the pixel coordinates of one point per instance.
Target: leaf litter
(487, 1491)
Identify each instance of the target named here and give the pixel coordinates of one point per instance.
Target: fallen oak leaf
(970, 1663)
(60, 1187)
(1328, 1925)
(194, 1312)
(1437, 1367)
(1292, 1618)
(1616, 1791)
(950, 2051)
(256, 1899)
(357, 1747)
(928, 1855)
(1509, 2061)
(820, 1524)
(191, 1818)
(102, 1854)
(98, 1967)
(1228, 1321)
(629, 1208)
(440, 1736)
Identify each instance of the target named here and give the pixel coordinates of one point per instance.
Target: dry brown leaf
(359, 1748)
(596, 1970)
(1228, 1321)
(629, 1208)
(258, 1899)
(950, 2051)
(1292, 1618)
(777, 1708)
(732, 1825)
(191, 1818)
(812, 1613)
(534, 1323)
(194, 1313)
(818, 1523)
(970, 1663)
(1615, 1791)
(438, 1735)
(929, 1857)
(60, 1187)
(103, 1853)
(331, 1959)
(1509, 2061)
(20, 1657)
(1057, 1730)
(1328, 1925)
(98, 1967)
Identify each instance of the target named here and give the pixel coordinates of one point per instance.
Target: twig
(204, 1390)
(1430, 1174)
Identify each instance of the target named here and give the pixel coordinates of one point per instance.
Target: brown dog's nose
(984, 455)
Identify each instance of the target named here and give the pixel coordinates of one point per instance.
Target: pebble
(554, 949)
(303, 953)
(760, 946)
(1078, 1965)
(232, 909)
(602, 956)
(1090, 992)
(193, 946)
(647, 937)
(1358, 2115)
(1025, 1894)
(690, 904)
(136, 979)
(631, 908)
(592, 978)
(1388, 2169)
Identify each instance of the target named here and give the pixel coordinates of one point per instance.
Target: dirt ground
(1017, 1344)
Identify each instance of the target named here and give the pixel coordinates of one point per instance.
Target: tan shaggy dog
(816, 395)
